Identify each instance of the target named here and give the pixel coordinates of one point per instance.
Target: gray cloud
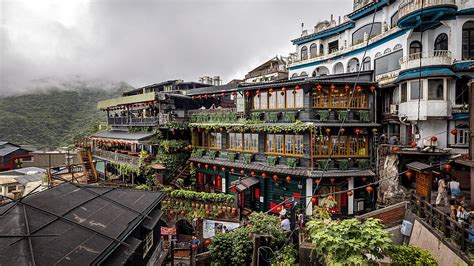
(145, 41)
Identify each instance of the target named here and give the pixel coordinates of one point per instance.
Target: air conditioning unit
(428, 142)
(393, 109)
(358, 205)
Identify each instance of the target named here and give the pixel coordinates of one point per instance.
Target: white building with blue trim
(421, 53)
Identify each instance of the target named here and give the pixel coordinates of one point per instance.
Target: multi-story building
(420, 52)
(288, 139)
(272, 70)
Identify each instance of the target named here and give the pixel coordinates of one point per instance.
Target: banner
(210, 227)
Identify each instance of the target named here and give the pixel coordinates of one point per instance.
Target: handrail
(408, 6)
(424, 55)
(117, 157)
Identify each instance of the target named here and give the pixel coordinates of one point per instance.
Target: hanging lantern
(447, 167)
(199, 97)
(283, 89)
(434, 139)
(264, 175)
(395, 149)
(208, 242)
(314, 200)
(279, 208)
(358, 88)
(372, 88)
(364, 179)
(409, 174)
(328, 130)
(223, 94)
(350, 193)
(234, 93)
(343, 130)
(413, 145)
(223, 169)
(242, 172)
(357, 131)
(247, 93)
(297, 87)
(206, 96)
(270, 90)
(374, 130)
(214, 167)
(369, 189)
(206, 166)
(347, 88)
(257, 92)
(332, 179)
(193, 247)
(275, 177)
(319, 87)
(252, 173)
(288, 179)
(232, 170)
(332, 87)
(454, 131)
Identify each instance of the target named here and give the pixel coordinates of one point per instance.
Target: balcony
(437, 109)
(435, 58)
(264, 72)
(431, 12)
(215, 115)
(160, 120)
(125, 100)
(117, 157)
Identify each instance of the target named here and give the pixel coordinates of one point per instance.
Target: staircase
(180, 172)
(88, 163)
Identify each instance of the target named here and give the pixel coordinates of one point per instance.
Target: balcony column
(350, 199)
(309, 193)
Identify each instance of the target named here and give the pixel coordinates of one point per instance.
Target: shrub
(411, 255)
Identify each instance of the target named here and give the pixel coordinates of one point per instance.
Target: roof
(23, 171)
(25, 179)
(119, 134)
(7, 150)
(5, 180)
(244, 183)
(213, 89)
(425, 72)
(419, 166)
(78, 224)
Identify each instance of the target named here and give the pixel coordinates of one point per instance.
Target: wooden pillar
(350, 199)
(309, 192)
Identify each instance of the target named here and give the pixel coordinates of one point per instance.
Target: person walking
(442, 192)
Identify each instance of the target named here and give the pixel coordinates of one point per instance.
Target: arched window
(366, 64)
(353, 65)
(304, 53)
(394, 20)
(415, 47)
(321, 49)
(377, 55)
(321, 71)
(295, 75)
(313, 50)
(358, 35)
(338, 68)
(441, 42)
(468, 40)
(303, 74)
(387, 51)
(397, 47)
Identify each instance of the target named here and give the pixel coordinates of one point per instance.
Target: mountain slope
(52, 118)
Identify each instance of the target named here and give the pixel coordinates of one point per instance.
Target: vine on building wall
(296, 127)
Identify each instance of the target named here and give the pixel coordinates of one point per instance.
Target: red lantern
(413, 145)
(454, 131)
(332, 87)
(223, 94)
(275, 177)
(357, 131)
(257, 92)
(447, 167)
(199, 97)
(328, 130)
(349, 193)
(358, 88)
(319, 87)
(247, 93)
(208, 242)
(347, 88)
(252, 173)
(214, 167)
(192, 97)
(332, 179)
(193, 247)
(206, 96)
(343, 130)
(206, 166)
(232, 170)
(372, 88)
(409, 174)
(434, 139)
(369, 189)
(242, 172)
(234, 93)
(270, 90)
(395, 149)
(288, 179)
(314, 200)
(297, 87)
(264, 175)
(283, 89)
(364, 179)
(223, 169)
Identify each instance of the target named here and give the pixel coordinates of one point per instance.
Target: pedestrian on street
(442, 192)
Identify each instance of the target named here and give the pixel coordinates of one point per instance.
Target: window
(397, 47)
(468, 40)
(403, 92)
(339, 98)
(313, 50)
(394, 20)
(387, 51)
(358, 35)
(215, 140)
(304, 53)
(377, 55)
(285, 144)
(303, 74)
(280, 99)
(11, 188)
(415, 47)
(147, 243)
(388, 63)
(321, 49)
(207, 140)
(333, 46)
(260, 101)
(435, 89)
(340, 146)
(366, 64)
(338, 68)
(295, 75)
(243, 142)
(416, 90)
(462, 138)
(441, 42)
(353, 65)
(462, 91)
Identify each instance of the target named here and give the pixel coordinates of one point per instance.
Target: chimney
(332, 17)
(339, 20)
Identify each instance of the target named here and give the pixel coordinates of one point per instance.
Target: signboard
(168, 231)
(423, 185)
(210, 227)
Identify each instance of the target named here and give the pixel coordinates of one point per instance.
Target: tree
(411, 255)
(231, 248)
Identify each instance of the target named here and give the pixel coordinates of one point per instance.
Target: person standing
(454, 187)
(442, 192)
(285, 224)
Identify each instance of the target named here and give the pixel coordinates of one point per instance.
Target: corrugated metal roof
(125, 135)
(7, 150)
(25, 179)
(244, 183)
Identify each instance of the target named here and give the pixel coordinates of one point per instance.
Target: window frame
(273, 100)
(442, 87)
(234, 136)
(325, 99)
(324, 146)
(276, 139)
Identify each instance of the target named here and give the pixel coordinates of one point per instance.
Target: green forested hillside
(52, 118)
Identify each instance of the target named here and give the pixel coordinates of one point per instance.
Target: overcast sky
(144, 41)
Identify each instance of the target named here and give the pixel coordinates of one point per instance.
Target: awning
(419, 166)
(244, 183)
(123, 135)
(425, 72)
(158, 166)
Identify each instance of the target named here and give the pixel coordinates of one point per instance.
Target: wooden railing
(447, 228)
(117, 157)
(408, 6)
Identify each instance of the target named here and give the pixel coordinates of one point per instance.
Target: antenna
(302, 27)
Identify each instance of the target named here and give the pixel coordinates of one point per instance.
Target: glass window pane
(255, 142)
(403, 94)
(279, 143)
(218, 140)
(256, 102)
(290, 99)
(416, 90)
(299, 146)
(270, 143)
(238, 137)
(263, 100)
(272, 100)
(231, 140)
(281, 99)
(247, 142)
(289, 143)
(435, 89)
(299, 98)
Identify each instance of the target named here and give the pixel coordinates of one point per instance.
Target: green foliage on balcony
(271, 160)
(323, 115)
(217, 117)
(248, 158)
(364, 116)
(213, 154)
(198, 153)
(343, 164)
(323, 164)
(363, 163)
(290, 117)
(343, 115)
(232, 156)
(292, 162)
(256, 116)
(273, 117)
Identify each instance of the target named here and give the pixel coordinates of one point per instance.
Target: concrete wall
(423, 238)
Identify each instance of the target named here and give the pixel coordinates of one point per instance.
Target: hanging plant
(364, 116)
(248, 158)
(271, 160)
(323, 115)
(292, 162)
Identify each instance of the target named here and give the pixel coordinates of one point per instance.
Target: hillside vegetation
(52, 118)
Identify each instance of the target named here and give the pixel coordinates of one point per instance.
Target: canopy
(244, 183)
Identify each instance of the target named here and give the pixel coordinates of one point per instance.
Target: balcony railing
(438, 57)
(118, 120)
(409, 6)
(264, 72)
(160, 120)
(215, 115)
(117, 157)
(143, 121)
